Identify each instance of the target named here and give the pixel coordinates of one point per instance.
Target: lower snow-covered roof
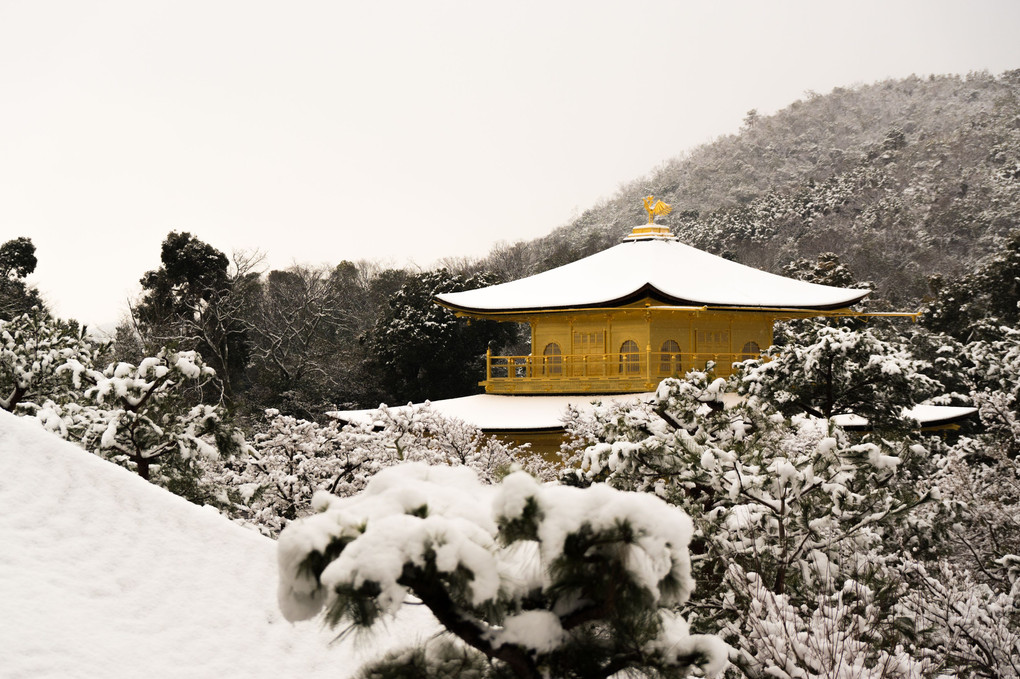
(929, 416)
(664, 270)
(499, 412)
(505, 413)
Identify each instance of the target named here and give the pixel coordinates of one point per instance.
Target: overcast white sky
(397, 131)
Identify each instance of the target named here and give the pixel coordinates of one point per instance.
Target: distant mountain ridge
(901, 179)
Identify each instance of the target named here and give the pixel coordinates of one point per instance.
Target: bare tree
(301, 327)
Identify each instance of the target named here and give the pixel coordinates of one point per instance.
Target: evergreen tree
(194, 301)
(539, 580)
(38, 355)
(141, 417)
(17, 260)
(980, 304)
(827, 269)
(839, 371)
(421, 350)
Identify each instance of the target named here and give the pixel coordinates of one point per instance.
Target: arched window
(669, 358)
(630, 359)
(552, 359)
(750, 350)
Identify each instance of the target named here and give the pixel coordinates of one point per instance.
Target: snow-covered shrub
(968, 626)
(140, 417)
(835, 371)
(995, 374)
(293, 459)
(837, 634)
(290, 460)
(792, 516)
(35, 354)
(779, 497)
(420, 433)
(542, 580)
(981, 490)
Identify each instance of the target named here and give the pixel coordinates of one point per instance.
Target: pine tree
(38, 355)
(144, 417)
(17, 260)
(421, 350)
(539, 580)
(838, 371)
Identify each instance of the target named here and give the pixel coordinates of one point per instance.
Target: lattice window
(552, 359)
(713, 341)
(669, 358)
(588, 343)
(630, 358)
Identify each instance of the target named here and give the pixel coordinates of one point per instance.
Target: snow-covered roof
(665, 270)
(500, 412)
(929, 416)
(106, 575)
(504, 412)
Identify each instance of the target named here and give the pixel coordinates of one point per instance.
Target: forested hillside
(901, 179)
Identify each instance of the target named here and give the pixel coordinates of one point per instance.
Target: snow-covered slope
(105, 575)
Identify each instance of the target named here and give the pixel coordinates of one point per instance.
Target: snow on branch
(543, 579)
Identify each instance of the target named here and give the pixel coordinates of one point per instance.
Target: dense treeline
(303, 340)
(817, 551)
(306, 340)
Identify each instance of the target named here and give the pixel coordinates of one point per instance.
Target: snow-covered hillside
(105, 575)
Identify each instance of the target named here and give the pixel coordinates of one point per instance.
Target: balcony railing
(598, 373)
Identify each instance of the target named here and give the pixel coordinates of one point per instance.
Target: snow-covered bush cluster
(820, 552)
(995, 371)
(292, 459)
(842, 371)
(836, 634)
(33, 350)
(542, 580)
(145, 418)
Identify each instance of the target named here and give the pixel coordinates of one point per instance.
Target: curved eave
(523, 431)
(662, 272)
(647, 292)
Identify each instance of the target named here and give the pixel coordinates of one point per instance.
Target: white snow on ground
(105, 575)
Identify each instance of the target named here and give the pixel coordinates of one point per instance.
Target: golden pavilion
(611, 326)
(651, 307)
